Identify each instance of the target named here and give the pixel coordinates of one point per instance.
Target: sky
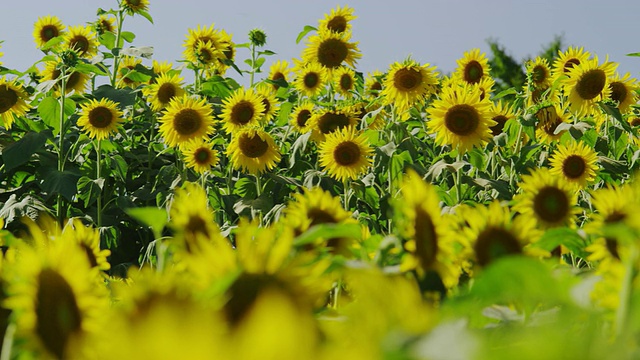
(437, 32)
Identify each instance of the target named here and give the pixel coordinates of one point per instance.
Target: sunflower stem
(7, 342)
(625, 292)
(459, 179)
(346, 186)
(61, 157)
(336, 295)
(253, 64)
(116, 58)
(257, 212)
(98, 177)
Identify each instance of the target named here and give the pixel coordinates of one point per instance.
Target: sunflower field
(316, 212)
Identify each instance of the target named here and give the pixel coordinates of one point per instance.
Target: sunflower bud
(257, 37)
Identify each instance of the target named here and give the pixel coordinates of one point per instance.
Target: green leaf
(304, 32)
(245, 187)
(21, 151)
(108, 39)
(398, 161)
(86, 68)
(329, 231)
(145, 15)
(123, 97)
(570, 238)
(119, 166)
(634, 54)
(136, 76)
(89, 190)
(153, 217)
(49, 111)
(615, 113)
(266, 52)
(283, 114)
(59, 182)
(501, 94)
(128, 36)
(259, 62)
(52, 43)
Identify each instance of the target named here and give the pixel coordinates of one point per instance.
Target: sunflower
(344, 81)
(492, 232)
(407, 84)
(100, 118)
(269, 101)
(75, 81)
(253, 150)
(165, 88)
(82, 40)
(549, 116)
(185, 119)
(135, 6)
(301, 115)
(228, 49)
(539, 73)
(575, 162)
(164, 67)
(242, 109)
(547, 200)
(310, 79)
(207, 54)
(331, 50)
(473, 67)
(485, 85)
(205, 35)
(423, 227)
(192, 219)
(373, 83)
(326, 121)
(88, 240)
(47, 28)
(345, 154)
(460, 119)
(56, 298)
(105, 24)
(279, 72)
(199, 155)
(624, 91)
(13, 101)
(587, 84)
(565, 61)
(500, 114)
(338, 21)
(127, 65)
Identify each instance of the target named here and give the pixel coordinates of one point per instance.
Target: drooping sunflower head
(576, 163)
(460, 119)
(207, 55)
(568, 59)
(253, 150)
(472, 67)
(538, 73)
(192, 219)
(206, 35)
(163, 67)
(100, 119)
(624, 91)
(300, 117)
(408, 84)
(13, 101)
(311, 78)
(546, 199)
(373, 83)
(75, 81)
(165, 88)
(268, 99)
(501, 113)
(331, 50)
(346, 154)
(199, 155)
(105, 24)
(549, 116)
(47, 28)
(338, 21)
(82, 40)
(185, 119)
(135, 6)
(587, 84)
(242, 109)
(327, 121)
(279, 72)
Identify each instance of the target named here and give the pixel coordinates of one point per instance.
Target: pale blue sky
(436, 31)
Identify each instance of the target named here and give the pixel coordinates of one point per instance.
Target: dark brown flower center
(319, 216)
(499, 126)
(202, 156)
(337, 24)
(591, 84)
(100, 117)
(462, 119)
(346, 83)
(303, 117)
(618, 92)
(311, 80)
(166, 92)
(635, 121)
(242, 112)
(407, 79)
(426, 239)
(253, 146)
(574, 166)
(93, 261)
(551, 204)
(8, 98)
(332, 52)
(330, 122)
(187, 122)
(48, 32)
(79, 44)
(569, 64)
(539, 74)
(347, 153)
(473, 72)
(493, 243)
(58, 316)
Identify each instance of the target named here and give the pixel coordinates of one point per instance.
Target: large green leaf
(49, 111)
(328, 231)
(155, 218)
(122, 97)
(21, 151)
(59, 182)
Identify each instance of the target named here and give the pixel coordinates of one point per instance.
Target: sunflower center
(539, 74)
(612, 247)
(331, 121)
(618, 92)
(319, 216)
(337, 24)
(494, 243)
(346, 83)
(332, 52)
(574, 166)
(202, 156)
(100, 117)
(311, 80)
(196, 225)
(407, 79)
(267, 105)
(473, 72)
(303, 117)
(8, 98)
(242, 112)
(187, 122)
(244, 292)
(634, 122)
(376, 86)
(462, 119)
(551, 204)
(426, 238)
(93, 261)
(591, 84)
(48, 32)
(74, 79)
(499, 126)
(347, 153)
(57, 314)
(569, 64)
(80, 44)
(253, 147)
(166, 92)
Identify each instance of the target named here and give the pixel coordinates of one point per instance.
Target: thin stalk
(258, 194)
(116, 58)
(61, 157)
(459, 179)
(346, 185)
(253, 64)
(98, 177)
